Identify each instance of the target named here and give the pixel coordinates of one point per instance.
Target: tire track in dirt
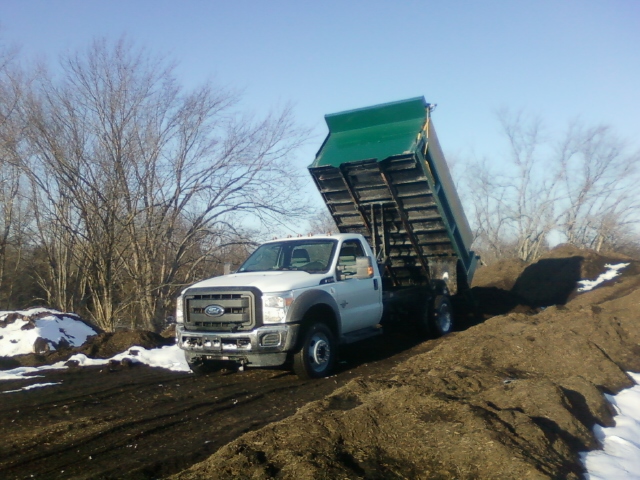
(142, 422)
(107, 436)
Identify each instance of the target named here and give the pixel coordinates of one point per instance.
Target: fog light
(270, 340)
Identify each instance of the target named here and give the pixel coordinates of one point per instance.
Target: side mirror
(364, 267)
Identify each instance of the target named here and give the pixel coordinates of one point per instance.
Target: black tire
(441, 316)
(436, 318)
(317, 353)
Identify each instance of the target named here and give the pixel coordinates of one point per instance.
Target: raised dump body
(382, 173)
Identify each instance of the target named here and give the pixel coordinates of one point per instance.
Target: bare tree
(513, 204)
(156, 179)
(581, 186)
(322, 222)
(488, 213)
(599, 182)
(12, 211)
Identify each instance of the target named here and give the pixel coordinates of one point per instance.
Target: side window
(347, 258)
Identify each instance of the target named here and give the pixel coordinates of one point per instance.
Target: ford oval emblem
(214, 311)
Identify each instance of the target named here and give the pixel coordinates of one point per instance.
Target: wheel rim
(444, 319)
(319, 352)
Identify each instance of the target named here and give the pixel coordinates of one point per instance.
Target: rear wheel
(437, 318)
(442, 316)
(317, 353)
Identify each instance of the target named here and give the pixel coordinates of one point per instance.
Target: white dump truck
(402, 250)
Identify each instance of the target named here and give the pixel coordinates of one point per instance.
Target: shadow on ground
(549, 281)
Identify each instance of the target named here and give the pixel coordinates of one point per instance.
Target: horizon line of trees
(118, 186)
(578, 186)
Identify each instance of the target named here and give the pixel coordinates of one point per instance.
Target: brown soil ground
(514, 396)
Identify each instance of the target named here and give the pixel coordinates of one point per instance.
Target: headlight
(275, 307)
(179, 309)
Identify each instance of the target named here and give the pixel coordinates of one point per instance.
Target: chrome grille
(238, 309)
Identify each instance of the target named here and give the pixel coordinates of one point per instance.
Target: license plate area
(204, 342)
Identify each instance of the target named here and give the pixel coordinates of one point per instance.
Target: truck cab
(293, 299)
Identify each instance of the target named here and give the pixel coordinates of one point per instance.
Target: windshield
(312, 256)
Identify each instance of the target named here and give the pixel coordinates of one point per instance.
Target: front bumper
(262, 347)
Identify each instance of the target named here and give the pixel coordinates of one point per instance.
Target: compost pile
(513, 396)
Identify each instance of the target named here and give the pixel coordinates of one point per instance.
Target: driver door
(359, 299)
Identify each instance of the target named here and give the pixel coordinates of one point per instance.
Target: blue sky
(557, 59)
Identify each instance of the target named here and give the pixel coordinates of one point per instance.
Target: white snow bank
(53, 328)
(27, 313)
(620, 454)
(14, 340)
(611, 272)
(31, 387)
(171, 358)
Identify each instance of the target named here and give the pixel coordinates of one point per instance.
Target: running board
(361, 334)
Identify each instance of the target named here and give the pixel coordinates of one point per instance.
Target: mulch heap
(516, 396)
(513, 286)
(106, 345)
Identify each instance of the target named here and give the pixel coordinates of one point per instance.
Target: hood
(265, 281)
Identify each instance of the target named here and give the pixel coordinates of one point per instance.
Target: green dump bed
(382, 174)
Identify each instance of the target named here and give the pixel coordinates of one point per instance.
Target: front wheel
(317, 354)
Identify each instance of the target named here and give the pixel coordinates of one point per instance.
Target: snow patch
(19, 337)
(620, 454)
(171, 358)
(611, 272)
(30, 387)
(31, 312)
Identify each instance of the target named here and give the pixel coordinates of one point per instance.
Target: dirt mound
(513, 286)
(492, 289)
(107, 345)
(104, 345)
(514, 397)
(502, 274)
(549, 281)
(552, 280)
(592, 263)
